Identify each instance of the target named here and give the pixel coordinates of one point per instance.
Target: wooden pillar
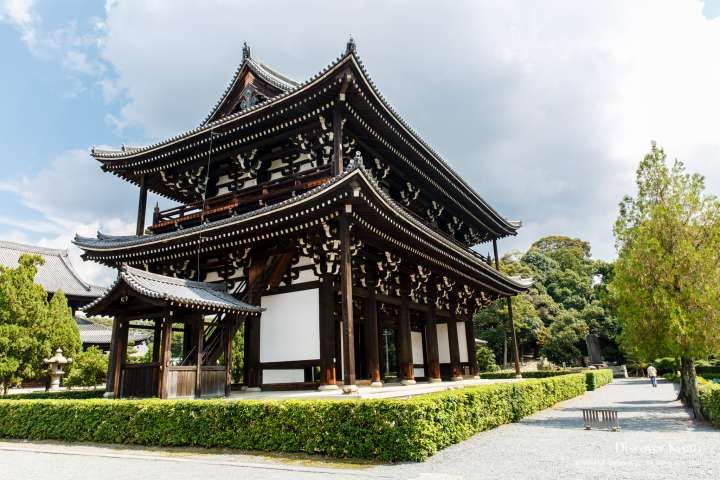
(495, 250)
(252, 325)
(455, 371)
(514, 338)
(337, 160)
(165, 347)
(156, 340)
(328, 334)
(227, 326)
(470, 337)
(431, 344)
(199, 338)
(121, 343)
(346, 294)
(370, 331)
(142, 204)
(404, 343)
(110, 382)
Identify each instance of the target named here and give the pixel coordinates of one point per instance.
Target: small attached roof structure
(92, 333)
(137, 291)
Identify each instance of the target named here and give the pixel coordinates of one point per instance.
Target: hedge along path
(381, 429)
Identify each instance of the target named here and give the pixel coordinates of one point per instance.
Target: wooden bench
(600, 418)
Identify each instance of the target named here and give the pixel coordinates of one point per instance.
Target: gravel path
(658, 440)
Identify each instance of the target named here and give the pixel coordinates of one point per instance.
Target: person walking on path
(652, 373)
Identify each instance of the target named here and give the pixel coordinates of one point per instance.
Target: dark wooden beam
(199, 337)
(110, 386)
(370, 331)
(252, 324)
(327, 334)
(165, 348)
(157, 330)
(228, 329)
(495, 250)
(142, 204)
(121, 344)
(404, 343)
(455, 371)
(431, 342)
(337, 157)
(346, 294)
(470, 337)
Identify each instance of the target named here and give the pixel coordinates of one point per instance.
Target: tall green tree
(31, 327)
(666, 281)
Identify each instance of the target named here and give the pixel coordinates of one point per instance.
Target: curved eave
(504, 226)
(130, 244)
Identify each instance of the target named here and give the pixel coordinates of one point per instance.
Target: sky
(545, 108)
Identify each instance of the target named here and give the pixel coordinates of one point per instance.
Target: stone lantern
(56, 363)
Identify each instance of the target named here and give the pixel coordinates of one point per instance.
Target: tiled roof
(56, 274)
(177, 291)
(104, 242)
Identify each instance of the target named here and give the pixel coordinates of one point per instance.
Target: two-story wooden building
(321, 222)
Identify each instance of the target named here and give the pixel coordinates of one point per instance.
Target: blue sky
(545, 109)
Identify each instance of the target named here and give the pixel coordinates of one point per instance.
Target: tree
(31, 328)
(666, 283)
(565, 337)
(88, 368)
(485, 359)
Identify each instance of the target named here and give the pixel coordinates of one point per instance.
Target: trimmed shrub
(709, 371)
(383, 429)
(57, 395)
(598, 378)
(710, 401)
(666, 365)
(533, 374)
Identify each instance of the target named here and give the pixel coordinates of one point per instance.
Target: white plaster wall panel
(212, 277)
(462, 341)
(290, 326)
(283, 376)
(443, 343)
(419, 372)
(417, 348)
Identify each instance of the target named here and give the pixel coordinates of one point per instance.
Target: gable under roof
(57, 273)
(272, 78)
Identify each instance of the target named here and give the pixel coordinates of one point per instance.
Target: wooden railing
(226, 204)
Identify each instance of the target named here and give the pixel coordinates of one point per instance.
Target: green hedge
(57, 395)
(383, 429)
(708, 370)
(710, 401)
(598, 378)
(532, 374)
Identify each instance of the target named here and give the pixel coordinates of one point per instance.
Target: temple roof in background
(57, 273)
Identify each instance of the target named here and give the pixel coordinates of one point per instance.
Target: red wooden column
(328, 334)
(404, 343)
(346, 294)
(121, 343)
(165, 348)
(199, 338)
(252, 326)
(455, 371)
(431, 344)
(470, 337)
(370, 331)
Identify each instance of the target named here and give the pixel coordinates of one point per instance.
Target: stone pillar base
(328, 387)
(518, 376)
(408, 382)
(476, 377)
(456, 379)
(349, 388)
(251, 389)
(109, 395)
(435, 380)
(376, 384)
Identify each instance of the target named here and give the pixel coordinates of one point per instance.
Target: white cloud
(20, 13)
